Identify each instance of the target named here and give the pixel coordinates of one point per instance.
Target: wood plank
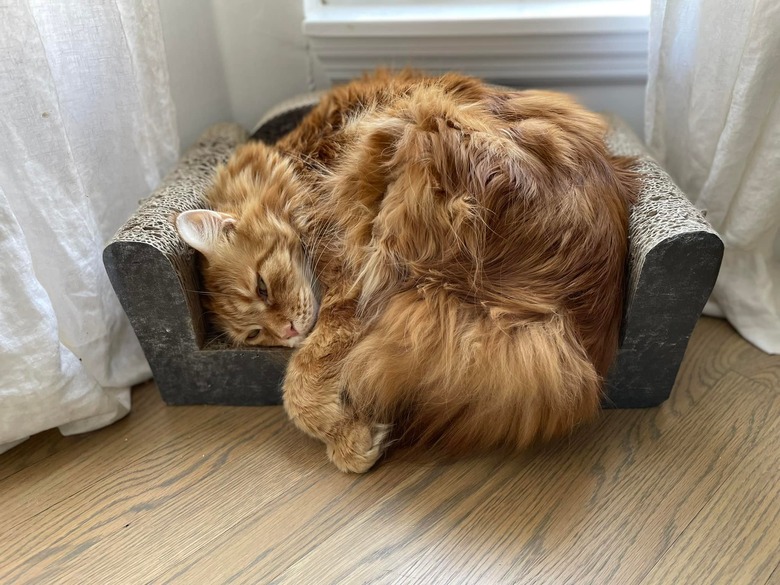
(101, 454)
(736, 537)
(35, 449)
(774, 578)
(48, 443)
(257, 483)
(41, 466)
(286, 535)
(263, 545)
(69, 533)
(215, 494)
(716, 348)
(602, 510)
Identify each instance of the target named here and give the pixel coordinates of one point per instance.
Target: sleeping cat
(460, 247)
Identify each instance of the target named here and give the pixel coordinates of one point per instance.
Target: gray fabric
(673, 262)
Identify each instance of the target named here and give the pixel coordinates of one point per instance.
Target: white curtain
(713, 118)
(88, 129)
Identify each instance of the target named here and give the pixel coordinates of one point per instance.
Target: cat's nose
(289, 331)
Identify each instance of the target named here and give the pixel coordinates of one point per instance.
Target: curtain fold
(88, 128)
(713, 119)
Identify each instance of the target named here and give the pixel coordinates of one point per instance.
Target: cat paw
(358, 446)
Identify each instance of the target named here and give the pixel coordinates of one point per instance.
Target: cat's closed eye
(262, 288)
(253, 334)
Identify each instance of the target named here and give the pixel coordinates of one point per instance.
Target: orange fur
(470, 244)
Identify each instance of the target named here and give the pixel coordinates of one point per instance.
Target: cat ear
(203, 228)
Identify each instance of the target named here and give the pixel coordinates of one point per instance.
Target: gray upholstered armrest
(674, 258)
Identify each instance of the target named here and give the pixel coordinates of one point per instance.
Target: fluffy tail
(454, 375)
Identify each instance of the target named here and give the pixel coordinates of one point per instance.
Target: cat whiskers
(219, 340)
(316, 245)
(207, 293)
(308, 161)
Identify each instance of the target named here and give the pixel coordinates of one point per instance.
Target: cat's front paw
(357, 446)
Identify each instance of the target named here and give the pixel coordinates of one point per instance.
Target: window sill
(519, 44)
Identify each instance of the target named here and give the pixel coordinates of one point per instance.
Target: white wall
(195, 67)
(231, 60)
(264, 53)
(626, 99)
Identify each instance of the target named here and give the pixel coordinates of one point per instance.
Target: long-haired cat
(467, 244)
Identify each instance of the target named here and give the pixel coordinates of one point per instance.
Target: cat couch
(673, 262)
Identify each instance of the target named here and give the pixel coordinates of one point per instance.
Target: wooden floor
(688, 493)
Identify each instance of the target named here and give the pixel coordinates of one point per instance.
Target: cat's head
(258, 284)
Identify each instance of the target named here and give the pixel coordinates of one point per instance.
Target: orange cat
(469, 244)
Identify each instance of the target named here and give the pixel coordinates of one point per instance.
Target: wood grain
(686, 493)
(741, 519)
(146, 429)
(72, 529)
(606, 505)
(36, 448)
(716, 348)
